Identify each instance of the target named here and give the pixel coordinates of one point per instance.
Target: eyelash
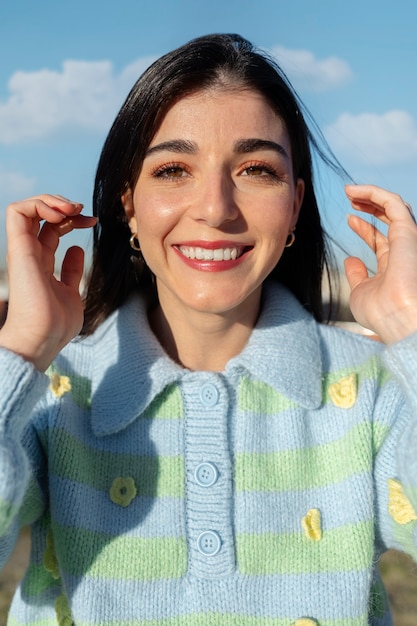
(265, 167)
(164, 170)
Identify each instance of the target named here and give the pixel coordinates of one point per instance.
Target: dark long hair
(209, 61)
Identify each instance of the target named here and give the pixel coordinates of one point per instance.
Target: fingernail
(64, 228)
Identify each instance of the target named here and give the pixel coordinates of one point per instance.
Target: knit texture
(259, 496)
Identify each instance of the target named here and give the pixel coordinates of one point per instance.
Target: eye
(170, 170)
(258, 169)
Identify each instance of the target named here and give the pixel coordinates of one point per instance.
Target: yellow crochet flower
(50, 561)
(59, 385)
(399, 506)
(311, 524)
(305, 621)
(123, 490)
(343, 393)
(63, 611)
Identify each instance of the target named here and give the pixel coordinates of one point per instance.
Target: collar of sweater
(130, 368)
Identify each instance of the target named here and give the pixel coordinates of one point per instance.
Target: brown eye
(255, 170)
(170, 171)
(258, 169)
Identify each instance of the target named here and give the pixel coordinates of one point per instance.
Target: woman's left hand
(385, 303)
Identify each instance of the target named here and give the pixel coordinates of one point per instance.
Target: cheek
(151, 217)
(154, 209)
(154, 226)
(274, 220)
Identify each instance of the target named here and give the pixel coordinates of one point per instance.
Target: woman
(207, 452)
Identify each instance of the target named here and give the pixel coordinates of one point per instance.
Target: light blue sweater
(260, 496)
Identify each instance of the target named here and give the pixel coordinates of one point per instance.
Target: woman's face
(215, 201)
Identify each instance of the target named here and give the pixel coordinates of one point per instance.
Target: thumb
(72, 267)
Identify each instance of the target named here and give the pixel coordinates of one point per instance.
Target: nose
(216, 204)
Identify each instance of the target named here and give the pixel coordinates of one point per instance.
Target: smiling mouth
(217, 254)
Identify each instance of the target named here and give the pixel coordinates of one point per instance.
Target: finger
(73, 267)
(373, 237)
(26, 215)
(410, 209)
(83, 221)
(356, 271)
(46, 204)
(50, 233)
(383, 204)
(58, 195)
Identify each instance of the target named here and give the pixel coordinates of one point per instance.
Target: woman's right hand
(44, 313)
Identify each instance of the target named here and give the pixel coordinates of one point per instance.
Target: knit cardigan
(259, 496)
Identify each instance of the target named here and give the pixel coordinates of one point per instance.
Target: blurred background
(65, 69)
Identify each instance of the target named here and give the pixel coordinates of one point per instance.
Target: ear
(298, 199)
(127, 201)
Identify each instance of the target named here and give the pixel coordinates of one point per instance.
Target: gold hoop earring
(134, 242)
(290, 239)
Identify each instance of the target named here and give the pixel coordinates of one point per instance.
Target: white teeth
(204, 254)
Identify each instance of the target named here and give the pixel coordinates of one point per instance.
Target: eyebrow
(180, 146)
(241, 146)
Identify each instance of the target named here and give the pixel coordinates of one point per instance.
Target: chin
(217, 305)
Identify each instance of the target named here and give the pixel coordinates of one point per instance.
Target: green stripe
(308, 467)
(167, 405)
(404, 534)
(80, 386)
(43, 621)
(38, 580)
(260, 397)
(153, 476)
(33, 504)
(7, 513)
(380, 432)
(369, 370)
(340, 550)
(228, 619)
(98, 555)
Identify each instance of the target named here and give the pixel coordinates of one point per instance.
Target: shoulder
(286, 315)
(353, 363)
(339, 337)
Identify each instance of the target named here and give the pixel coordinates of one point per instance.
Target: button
(209, 394)
(209, 543)
(206, 474)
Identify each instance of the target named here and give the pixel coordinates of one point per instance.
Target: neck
(204, 341)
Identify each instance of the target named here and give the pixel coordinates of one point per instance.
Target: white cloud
(309, 73)
(375, 139)
(14, 185)
(87, 94)
(83, 94)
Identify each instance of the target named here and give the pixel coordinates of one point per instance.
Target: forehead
(221, 112)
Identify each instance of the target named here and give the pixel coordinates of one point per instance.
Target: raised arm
(44, 312)
(386, 302)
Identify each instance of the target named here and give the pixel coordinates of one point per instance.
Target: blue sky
(66, 67)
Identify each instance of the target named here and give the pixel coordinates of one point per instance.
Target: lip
(209, 265)
(212, 245)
